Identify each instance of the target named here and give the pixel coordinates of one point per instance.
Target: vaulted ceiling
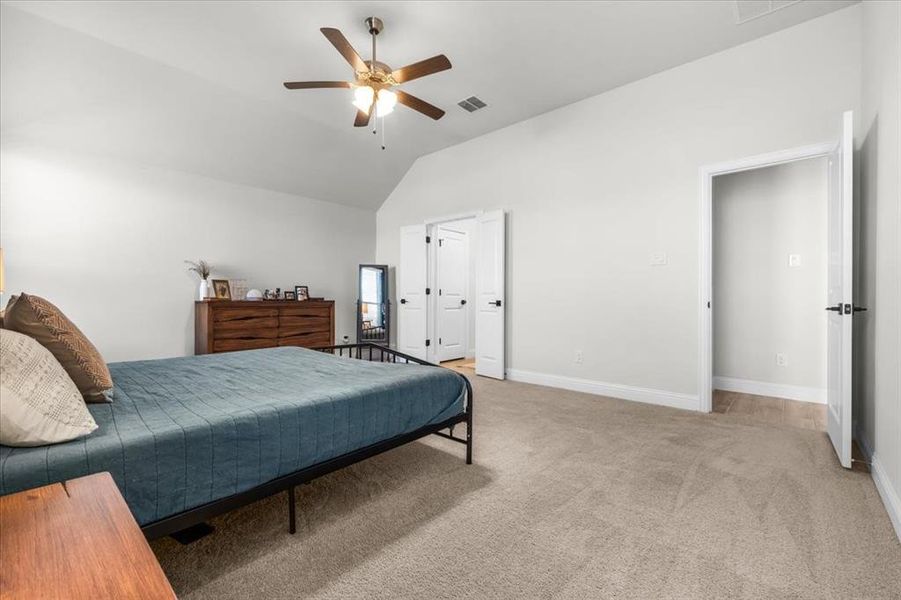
(196, 86)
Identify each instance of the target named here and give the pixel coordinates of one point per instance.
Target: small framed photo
(302, 292)
(221, 290)
(289, 295)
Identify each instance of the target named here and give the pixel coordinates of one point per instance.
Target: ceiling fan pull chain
(383, 133)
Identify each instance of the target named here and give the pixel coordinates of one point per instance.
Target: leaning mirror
(373, 319)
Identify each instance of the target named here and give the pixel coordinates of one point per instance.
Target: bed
(189, 438)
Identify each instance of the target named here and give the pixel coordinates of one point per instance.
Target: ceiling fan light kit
(385, 103)
(374, 80)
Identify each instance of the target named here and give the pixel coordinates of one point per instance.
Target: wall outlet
(578, 357)
(780, 360)
(794, 260)
(346, 339)
(658, 259)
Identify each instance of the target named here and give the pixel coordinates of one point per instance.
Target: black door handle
(495, 303)
(837, 308)
(403, 300)
(859, 308)
(464, 302)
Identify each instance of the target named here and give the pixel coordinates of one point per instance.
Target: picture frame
(302, 292)
(289, 295)
(221, 290)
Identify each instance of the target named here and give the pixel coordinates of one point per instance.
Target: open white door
(490, 299)
(840, 301)
(412, 274)
(451, 281)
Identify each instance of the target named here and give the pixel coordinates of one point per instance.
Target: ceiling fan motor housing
(374, 25)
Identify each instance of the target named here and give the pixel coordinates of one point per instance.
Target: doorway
(838, 298)
(769, 288)
(451, 291)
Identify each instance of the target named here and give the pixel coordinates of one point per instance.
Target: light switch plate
(658, 259)
(794, 260)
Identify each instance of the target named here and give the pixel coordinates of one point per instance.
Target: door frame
(705, 267)
(432, 266)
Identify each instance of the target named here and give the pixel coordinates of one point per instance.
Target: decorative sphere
(254, 294)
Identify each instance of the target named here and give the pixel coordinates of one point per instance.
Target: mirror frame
(385, 306)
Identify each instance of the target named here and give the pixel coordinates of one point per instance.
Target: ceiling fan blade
(343, 46)
(362, 119)
(416, 104)
(308, 85)
(436, 64)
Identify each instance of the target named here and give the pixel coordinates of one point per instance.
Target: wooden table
(75, 540)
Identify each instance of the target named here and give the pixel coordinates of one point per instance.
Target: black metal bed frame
(362, 351)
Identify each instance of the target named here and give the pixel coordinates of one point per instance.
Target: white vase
(204, 289)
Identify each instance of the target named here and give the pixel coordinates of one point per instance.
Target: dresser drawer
(309, 340)
(305, 311)
(249, 324)
(290, 326)
(225, 315)
(242, 344)
(246, 333)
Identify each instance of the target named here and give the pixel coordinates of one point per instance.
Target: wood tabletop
(75, 540)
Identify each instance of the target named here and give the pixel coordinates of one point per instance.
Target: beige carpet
(571, 496)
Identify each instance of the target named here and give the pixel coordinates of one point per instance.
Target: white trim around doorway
(705, 268)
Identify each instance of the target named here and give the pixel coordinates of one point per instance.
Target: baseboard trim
(612, 390)
(884, 486)
(776, 390)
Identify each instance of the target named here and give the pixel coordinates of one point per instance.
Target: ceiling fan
(374, 80)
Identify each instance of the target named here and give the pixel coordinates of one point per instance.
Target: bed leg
(292, 516)
(469, 438)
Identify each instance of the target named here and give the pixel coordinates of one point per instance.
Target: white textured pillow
(39, 402)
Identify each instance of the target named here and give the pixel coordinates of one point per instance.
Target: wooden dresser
(228, 325)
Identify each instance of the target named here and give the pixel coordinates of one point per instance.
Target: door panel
(412, 303)
(839, 293)
(490, 303)
(452, 277)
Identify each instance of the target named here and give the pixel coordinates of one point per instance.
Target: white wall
(878, 331)
(594, 188)
(114, 168)
(105, 241)
(763, 306)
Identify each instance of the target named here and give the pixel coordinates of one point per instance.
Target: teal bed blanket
(182, 432)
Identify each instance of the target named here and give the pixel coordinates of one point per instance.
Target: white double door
(435, 299)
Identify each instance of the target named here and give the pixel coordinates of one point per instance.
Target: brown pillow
(38, 318)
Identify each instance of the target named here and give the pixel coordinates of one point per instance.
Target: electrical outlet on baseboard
(781, 360)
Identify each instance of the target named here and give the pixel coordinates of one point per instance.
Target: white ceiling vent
(748, 10)
(471, 104)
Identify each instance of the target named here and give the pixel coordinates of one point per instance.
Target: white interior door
(452, 276)
(412, 277)
(490, 300)
(840, 301)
